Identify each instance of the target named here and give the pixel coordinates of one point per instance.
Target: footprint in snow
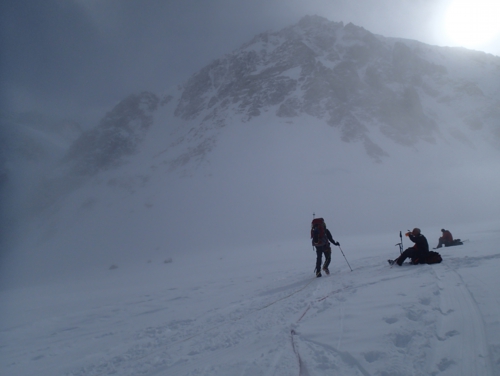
(401, 340)
(390, 320)
(444, 364)
(373, 356)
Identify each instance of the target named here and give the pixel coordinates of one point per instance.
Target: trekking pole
(345, 257)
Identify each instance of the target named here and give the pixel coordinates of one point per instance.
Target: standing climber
(321, 238)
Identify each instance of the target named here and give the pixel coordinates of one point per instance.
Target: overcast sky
(79, 57)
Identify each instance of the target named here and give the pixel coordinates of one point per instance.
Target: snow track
(460, 327)
(410, 320)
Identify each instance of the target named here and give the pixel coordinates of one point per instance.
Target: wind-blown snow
(260, 311)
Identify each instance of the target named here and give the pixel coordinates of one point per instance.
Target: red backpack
(318, 232)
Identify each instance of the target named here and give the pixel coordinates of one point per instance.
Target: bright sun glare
(473, 23)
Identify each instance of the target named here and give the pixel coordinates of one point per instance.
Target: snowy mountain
(355, 81)
(370, 132)
(173, 237)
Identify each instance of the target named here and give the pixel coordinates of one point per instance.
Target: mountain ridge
(355, 81)
(374, 84)
(366, 131)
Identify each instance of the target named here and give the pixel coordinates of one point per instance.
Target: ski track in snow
(410, 320)
(457, 307)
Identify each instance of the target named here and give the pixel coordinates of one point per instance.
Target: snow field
(260, 311)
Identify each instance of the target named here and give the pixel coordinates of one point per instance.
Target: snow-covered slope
(260, 311)
(173, 238)
(322, 117)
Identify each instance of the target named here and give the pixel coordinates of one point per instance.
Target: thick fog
(79, 58)
(262, 180)
(261, 185)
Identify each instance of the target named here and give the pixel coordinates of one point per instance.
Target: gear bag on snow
(318, 232)
(433, 258)
(454, 242)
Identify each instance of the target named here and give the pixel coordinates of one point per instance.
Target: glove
(337, 244)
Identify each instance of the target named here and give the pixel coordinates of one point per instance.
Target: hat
(416, 231)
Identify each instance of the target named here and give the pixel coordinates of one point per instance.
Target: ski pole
(345, 257)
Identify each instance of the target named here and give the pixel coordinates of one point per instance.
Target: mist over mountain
(31, 143)
(353, 80)
(372, 133)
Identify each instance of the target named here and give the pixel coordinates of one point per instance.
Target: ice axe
(400, 243)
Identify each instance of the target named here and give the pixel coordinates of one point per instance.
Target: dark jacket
(329, 236)
(421, 245)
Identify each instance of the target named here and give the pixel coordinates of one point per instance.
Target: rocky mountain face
(117, 135)
(355, 81)
(367, 86)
